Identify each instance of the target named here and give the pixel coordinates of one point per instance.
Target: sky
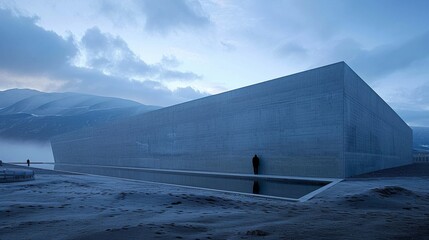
(166, 52)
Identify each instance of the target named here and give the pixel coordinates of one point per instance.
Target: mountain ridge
(27, 114)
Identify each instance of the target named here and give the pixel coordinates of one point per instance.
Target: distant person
(28, 162)
(255, 162)
(1, 163)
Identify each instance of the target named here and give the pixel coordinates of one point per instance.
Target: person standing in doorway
(28, 162)
(255, 162)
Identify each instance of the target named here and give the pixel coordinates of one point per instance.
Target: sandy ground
(72, 206)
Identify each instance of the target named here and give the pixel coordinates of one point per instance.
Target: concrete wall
(324, 122)
(375, 137)
(293, 123)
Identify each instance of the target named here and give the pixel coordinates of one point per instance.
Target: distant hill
(12, 96)
(421, 139)
(32, 115)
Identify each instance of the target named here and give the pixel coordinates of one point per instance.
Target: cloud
(120, 13)
(416, 97)
(383, 60)
(386, 59)
(189, 93)
(92, 81)
(347, 49)
(173, 75)
(27, 48)
(228, 46)
(34, 56)
(421, 96)
(170, 61)
(291, 49)
(163, 16)
(418, 118)
(112, 55)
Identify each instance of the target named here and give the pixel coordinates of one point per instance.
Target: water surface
(284, 188)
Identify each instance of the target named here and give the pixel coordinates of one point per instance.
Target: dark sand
(72, 206)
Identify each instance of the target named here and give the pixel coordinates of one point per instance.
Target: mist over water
(20, 151)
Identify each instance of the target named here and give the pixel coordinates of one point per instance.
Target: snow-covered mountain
(32, 115)
(12, 96)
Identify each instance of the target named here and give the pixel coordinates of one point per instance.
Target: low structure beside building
(421, 157)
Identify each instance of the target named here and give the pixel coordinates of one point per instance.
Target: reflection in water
(255, 187)
(271, 187)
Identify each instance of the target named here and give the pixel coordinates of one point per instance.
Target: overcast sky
(162, 52)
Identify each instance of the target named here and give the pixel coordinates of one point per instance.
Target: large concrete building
(324, 122)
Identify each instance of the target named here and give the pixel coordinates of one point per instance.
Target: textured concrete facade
(375, 137)
(324, 122)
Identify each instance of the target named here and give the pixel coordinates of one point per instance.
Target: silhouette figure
(28, 162)
(255, 162)
(255, 187)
